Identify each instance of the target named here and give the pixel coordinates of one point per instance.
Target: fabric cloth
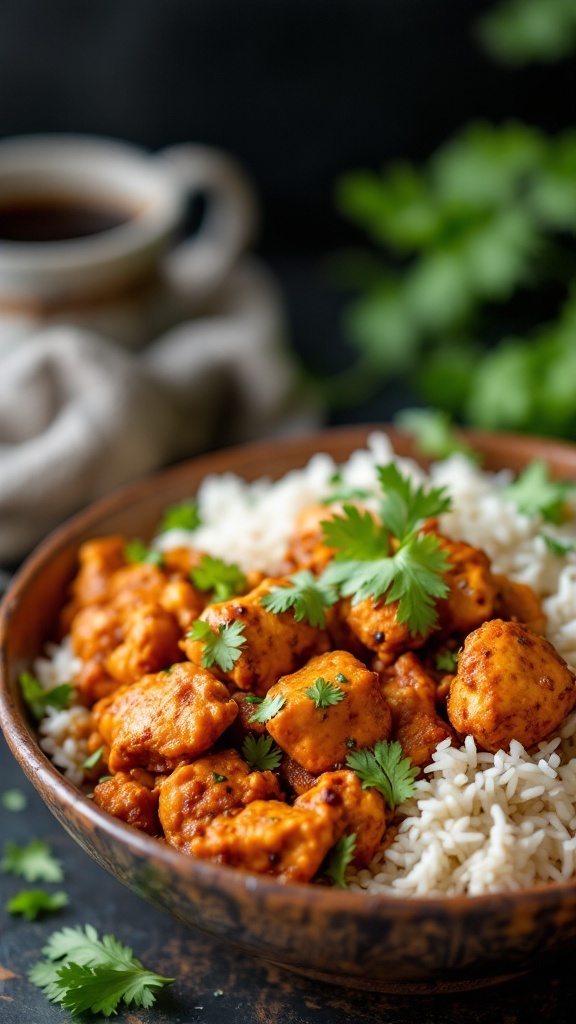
(80, 416)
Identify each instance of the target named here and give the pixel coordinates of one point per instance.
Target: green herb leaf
(31, 903)
(261, 753)
(33, 862)
(93, 974)
(534, 492)
(355, 536)
(338, 860)
(557, 546)
(13, 800)
(446, 661)
(219, 778)
(307, 595)
(434, 433)
(269, 707)
(137, 551)
(324, 693)
(183, 516)
(92, 761)
(38, 699)
(386, 770)
(222, 648)
(224, 578)
(346, 493)
(405, 505)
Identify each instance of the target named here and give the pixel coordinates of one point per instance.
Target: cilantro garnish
(557, 546)
(386, 770)
(269, 707)
(307, 595)
(434, 433)
(251, 698)
(261, 753)
(38, 699)
(324, 693)
(363, 566)
(535, 493)
(221, 648)
(136, 551)
(92, 761)
(346, 493)
(338, 860)
(224, 578)
(219, 778)
(33, 902)
(34, 862)
(13, 800)
(446, 661)
(183, 516)
(82, 972)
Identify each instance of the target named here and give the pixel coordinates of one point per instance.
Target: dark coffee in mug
(56, 218)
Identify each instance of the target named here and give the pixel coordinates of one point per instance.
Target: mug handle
(199, 264)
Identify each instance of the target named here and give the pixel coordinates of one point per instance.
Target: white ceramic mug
(114, 280)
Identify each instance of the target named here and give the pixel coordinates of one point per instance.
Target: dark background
(299, 91)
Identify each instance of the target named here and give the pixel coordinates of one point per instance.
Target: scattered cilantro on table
(84, 973)
(386, 770)
(225, 578)
(261, 753)
(38, 698)
(306, 594)
(13, 800)
(31, 903)
(34, 862)
(222, 648)
(324, 693)
(366, 564)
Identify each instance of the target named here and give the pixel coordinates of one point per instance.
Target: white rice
(478, 822)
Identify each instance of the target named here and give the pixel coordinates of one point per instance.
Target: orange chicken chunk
(272, 838)
(362, 811)
(319, 735)
(130, 797)
(151, 642)
(275, 644)
(412, 695)
(511, 684)
(165, 719)
(195, 793)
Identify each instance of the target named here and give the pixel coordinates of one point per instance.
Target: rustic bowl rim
(40, 770)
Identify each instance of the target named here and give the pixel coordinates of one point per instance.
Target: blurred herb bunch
(480, 238)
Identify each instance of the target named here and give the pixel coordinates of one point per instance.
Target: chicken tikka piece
(131, 797)
(412, 695)
(275, 644)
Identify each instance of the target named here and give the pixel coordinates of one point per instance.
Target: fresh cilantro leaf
(340, 678)
(92, 761)
(38, 699)
(13, 800)
(261, 753)
(183, 516)
(557, 546)
(222, 648)
(92, 973)
(346, 493)
(324, 693)
(269, 707)
(355, 536)
(535, 493)
(224, 578)
(307, 595)
(446, 661)
(251, 698)
(338, 860)
(33, 902)
(34, 862)
(219, 778)
(406, 506)
(434, 433)
(137, 551)
(386, 770)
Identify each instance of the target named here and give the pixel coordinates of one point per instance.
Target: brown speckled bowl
(345, 938)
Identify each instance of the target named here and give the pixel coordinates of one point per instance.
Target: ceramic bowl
(345, 938)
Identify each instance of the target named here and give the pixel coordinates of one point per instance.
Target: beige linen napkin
(80, 416)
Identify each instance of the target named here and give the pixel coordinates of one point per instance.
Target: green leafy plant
(225, 579)
(32, 903)
(221, 648)
(457, 247)
(307, 595)
(338, 860)
(386, 770)
(261, 753)
(324, 693)
(34, 862)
